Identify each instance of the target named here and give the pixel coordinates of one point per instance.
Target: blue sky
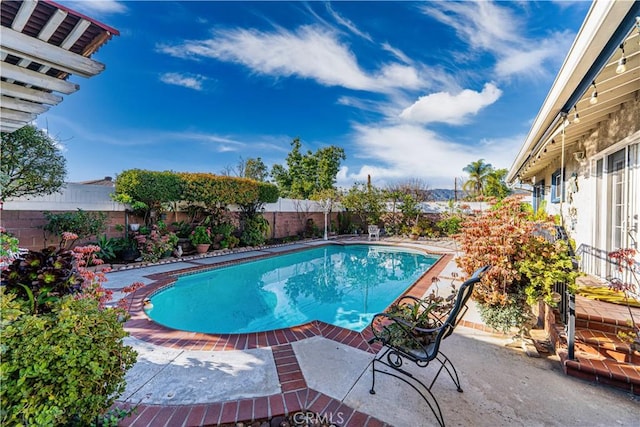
(408, 89)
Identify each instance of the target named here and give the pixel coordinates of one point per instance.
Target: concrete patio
(328, 372)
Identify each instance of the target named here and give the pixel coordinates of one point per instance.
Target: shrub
(157, 243)
(83, 224)
(63, 361)
(526, 265)
(65, 366)
(254, 232)
(108, 247)
(450, 224)
(513, 314)
(8, 248)
(148, 191)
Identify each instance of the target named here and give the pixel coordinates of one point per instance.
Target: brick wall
(27, 225)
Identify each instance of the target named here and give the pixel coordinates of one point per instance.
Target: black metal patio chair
(402, 341)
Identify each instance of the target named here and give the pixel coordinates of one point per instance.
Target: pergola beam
(36, 50)
(24, 13)
(8, 128)
(37, 79)
(16, 115)
(20, 105)
(52, 25)
(29, 94)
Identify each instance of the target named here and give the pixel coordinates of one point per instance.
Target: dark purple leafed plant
(43, 277)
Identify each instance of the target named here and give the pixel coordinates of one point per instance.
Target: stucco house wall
(580, 205)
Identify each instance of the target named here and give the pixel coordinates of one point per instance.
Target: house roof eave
(605, 27)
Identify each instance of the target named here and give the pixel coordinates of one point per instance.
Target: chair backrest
(459, 308)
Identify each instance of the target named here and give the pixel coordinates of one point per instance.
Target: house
(42, 43)
(582, 154)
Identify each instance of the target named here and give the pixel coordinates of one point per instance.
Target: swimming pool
(344, 285)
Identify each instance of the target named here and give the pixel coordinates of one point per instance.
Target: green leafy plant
(157, 243)
(230, 242)
(108, 247)
(61, 367)
(409, 313)
(503, 317)
(450, 224)
(8, 248)
(62, 358)
(82, 223)
(200, 235)
(182, 229)
(255, 231)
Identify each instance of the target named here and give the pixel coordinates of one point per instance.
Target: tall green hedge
(150, 189)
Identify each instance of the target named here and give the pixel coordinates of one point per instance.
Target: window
(556, 186)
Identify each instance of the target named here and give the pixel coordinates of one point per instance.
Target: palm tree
(478, 172)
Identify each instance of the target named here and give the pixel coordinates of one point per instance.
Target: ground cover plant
(63, 361)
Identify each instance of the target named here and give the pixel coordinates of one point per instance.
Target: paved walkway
(189, 379)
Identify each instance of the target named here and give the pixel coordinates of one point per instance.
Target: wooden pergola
(42, 43)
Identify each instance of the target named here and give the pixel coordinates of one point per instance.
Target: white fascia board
(601, 22)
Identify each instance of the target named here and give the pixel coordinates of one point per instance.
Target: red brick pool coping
(295, 394)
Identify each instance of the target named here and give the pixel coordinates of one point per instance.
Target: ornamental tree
(148, 191)
(31, 164)
(495, 185)
(308, 173)
(365, 201)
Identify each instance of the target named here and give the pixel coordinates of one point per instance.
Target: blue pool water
(341, 285)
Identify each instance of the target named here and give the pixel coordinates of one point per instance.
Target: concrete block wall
(27, 225)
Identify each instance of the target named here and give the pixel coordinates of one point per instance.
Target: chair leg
(453, 374)
(405, 376)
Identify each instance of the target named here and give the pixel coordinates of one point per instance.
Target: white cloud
(397, 53)
(397, 152)
(448, 108)
(309, 52)
(347, 23)
(490, 27)
(97, 7)
(191, 81)
(529, 61)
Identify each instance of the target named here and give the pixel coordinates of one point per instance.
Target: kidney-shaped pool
(344, 285)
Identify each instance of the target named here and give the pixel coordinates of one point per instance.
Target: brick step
(605, 345)
(596, 323)
(591, 367)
